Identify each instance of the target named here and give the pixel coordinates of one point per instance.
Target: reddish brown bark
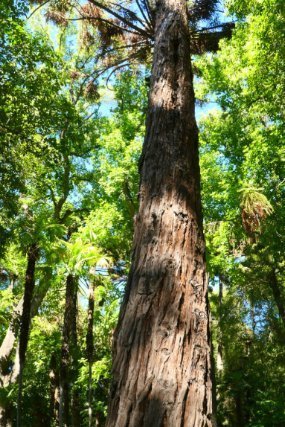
(161, 366)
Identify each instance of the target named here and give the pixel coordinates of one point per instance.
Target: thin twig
(136, 18)
(37, 8)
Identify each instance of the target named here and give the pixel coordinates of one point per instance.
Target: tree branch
(121, 18)
(37, 8)
(131, 13)
(146, 17)
(97, 18)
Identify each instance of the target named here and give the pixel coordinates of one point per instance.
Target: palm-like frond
(126, 28)
(255, 208)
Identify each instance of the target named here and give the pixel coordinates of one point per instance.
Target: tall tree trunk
(162, 365)
(90, 350)
(68, 410)
(33, 254)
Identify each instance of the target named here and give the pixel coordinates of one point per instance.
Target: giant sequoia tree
(162, 369)
(162, 372)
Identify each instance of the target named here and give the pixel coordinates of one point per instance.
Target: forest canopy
(79, 102)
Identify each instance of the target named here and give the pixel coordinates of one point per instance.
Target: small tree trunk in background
(54, 390)
(6, 376)
(213, 375)
(75, 406)
(5, 412)
(90, 350)
(161, 362)
(32, 255)
(278, 297)
(68, 410)
(220, 364)
(75, 397)
(239, 407)
(9, 342)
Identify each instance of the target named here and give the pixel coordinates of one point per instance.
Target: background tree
(243, 207)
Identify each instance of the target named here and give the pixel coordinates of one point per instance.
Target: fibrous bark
(162, 365)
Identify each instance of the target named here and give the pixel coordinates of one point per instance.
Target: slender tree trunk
(33, 254)
(75, 407)
(278, 297)
(68, 410)
(8, 376)
(54, 390)
(8, 344)
(5, 412)
(90, 351)
(239, 410)
(162, 365)
(220, 362)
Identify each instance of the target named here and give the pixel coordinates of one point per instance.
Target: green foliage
(71, 184)
(69, 181)
(242, 159)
